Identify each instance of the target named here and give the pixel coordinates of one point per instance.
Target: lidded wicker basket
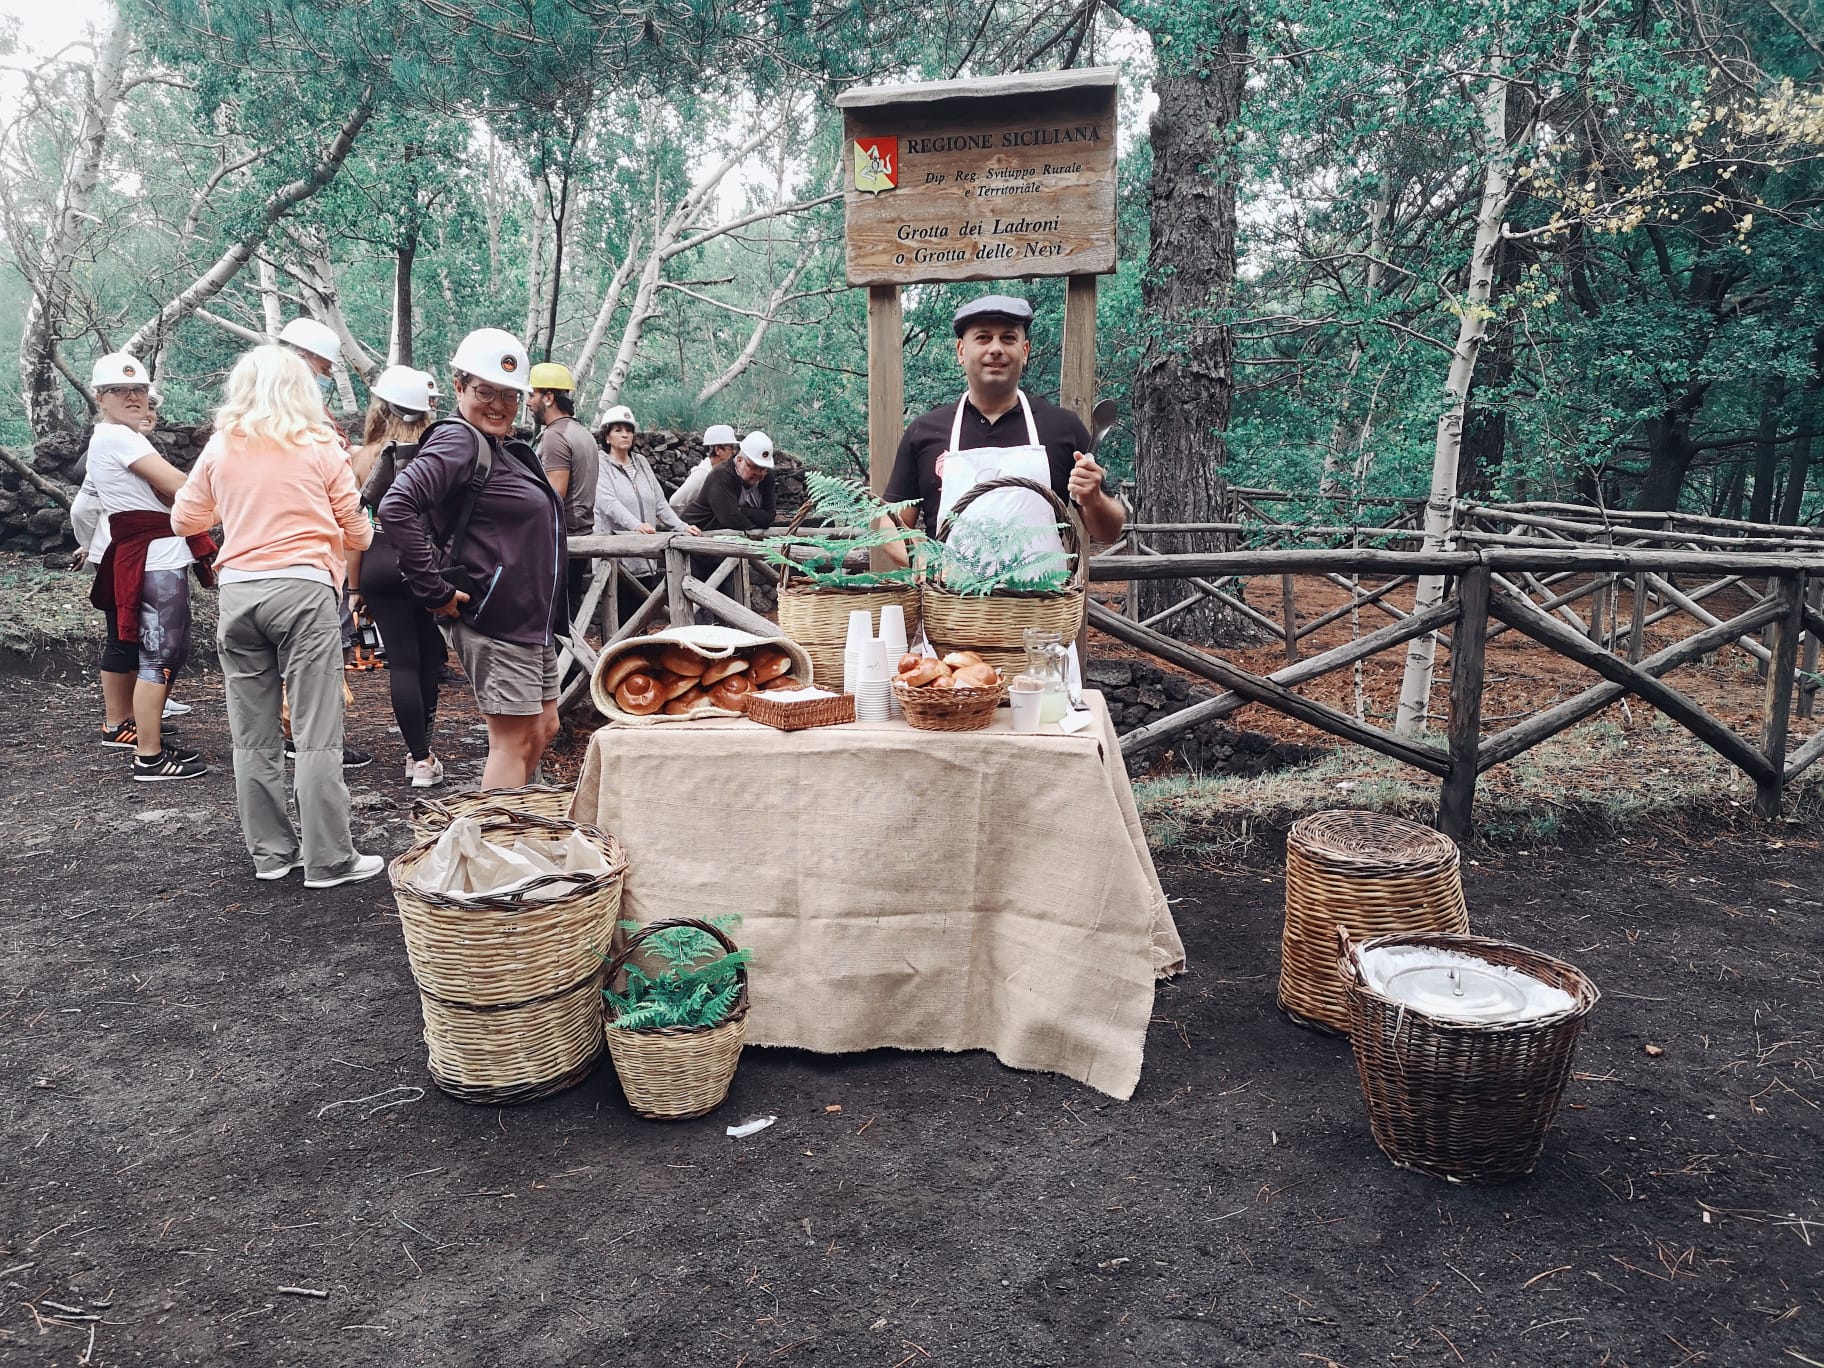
(1374, 874)
(675, 1073)
(994, 625)
(510, 986)
(1467, 1101)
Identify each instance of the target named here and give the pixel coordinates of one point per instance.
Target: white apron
(960, 471)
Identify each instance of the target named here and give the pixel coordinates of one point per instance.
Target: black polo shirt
(915, 476)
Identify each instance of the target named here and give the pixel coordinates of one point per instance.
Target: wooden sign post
(990, 179)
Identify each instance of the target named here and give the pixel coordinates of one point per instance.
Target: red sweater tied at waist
(121, 575)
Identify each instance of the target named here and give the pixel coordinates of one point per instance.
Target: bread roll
(731, 692)
(768, 662)
(680, 661)
(783, 682)
(929, 671)
(909, 662)
(670, 685)
(942, 682)
(722, 669)
(686, 703)
(623, 667)
(639, 694)
(976, 677)
(957, 659)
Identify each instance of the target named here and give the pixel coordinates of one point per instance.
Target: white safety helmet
(431, 385)
(495, 356)
(119, 368)
(758, 448)
(319, 339)
(404, 388)
(620, 413)
(719, 434)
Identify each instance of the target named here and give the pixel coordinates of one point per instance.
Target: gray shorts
(509, 680)
(164, 624)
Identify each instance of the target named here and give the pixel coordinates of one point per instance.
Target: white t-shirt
(112, 449)
(692, 486)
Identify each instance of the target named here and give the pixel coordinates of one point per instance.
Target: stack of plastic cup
(861, 630)
(872, 686)
(893, 641)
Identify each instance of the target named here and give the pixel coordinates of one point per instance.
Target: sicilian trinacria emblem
(876, 164)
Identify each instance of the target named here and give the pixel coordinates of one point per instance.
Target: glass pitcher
(1045, 662)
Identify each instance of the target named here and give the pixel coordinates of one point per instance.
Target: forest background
(1549, 248)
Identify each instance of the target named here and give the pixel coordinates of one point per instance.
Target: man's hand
(1085, 478)
(452, 607)
(81, 556)
(647, 528)
(693, 530)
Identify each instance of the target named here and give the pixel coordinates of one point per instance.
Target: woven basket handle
(1067, 514)
(619, 961)
(1348, 958)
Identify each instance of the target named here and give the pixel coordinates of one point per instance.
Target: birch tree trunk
(53, 275)
(535, 262)
(585, 361)
(1341, 435)
(212, 281)
(768, 316)
(270, 305)
(1472, 326)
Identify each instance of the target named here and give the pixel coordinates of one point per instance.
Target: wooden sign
(980, 180)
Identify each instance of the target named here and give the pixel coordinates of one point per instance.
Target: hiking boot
(425, 773)
(366, 866)
(152, 769)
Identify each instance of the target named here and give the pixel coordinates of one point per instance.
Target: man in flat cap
(993, 344)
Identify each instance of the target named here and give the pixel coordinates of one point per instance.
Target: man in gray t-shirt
(572, 460)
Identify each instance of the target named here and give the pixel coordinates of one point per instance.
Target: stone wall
(1140, 692)
(34, 524)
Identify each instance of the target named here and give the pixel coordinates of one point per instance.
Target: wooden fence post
(1456, 802)
(1288, 608)
(1808, 690)
(1638, 627)
(1782, 667)
(677, 569)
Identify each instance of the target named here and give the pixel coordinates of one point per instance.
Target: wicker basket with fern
(988, 613)
(817, 590)
(676, 1036)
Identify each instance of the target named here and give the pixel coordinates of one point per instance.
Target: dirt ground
(216, 1090)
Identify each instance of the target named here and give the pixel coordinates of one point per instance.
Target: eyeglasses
(125, 391)
(489, 397)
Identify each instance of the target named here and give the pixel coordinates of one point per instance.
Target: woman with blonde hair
(277, 480)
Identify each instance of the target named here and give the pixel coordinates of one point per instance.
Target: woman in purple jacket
(495, 580)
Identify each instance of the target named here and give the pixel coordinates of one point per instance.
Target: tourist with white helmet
(722, 444)
(276, 478)
(142, 572)
(480, 539)
(741, 494)
(629, 498)
(397, 415)
(318, 344)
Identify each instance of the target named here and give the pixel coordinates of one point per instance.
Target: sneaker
(180, 752)
(425, 773)
(152, 769)
(175, 709)
(272, 875)
(366, 866)
(124, 737)
(351, 758)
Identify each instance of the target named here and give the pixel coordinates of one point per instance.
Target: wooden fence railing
(1491, 588)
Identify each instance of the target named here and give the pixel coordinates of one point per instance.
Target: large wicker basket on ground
(676, 1073)
(431, 815)
(1374, 874)
(994, 625)
(1467, 1101)
(510, 986)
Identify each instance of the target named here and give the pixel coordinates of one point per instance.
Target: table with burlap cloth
(921, 890)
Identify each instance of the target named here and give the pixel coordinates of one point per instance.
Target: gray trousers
(281, 638)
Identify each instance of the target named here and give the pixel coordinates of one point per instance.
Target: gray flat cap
(994, 306)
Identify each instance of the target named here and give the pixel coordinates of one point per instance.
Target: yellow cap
(549, 375)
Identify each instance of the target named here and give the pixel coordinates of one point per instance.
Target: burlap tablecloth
(922, 890)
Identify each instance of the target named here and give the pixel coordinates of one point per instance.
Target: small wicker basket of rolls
(956, 693)
(692, 672)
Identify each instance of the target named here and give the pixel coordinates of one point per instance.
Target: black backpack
(395, 456)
